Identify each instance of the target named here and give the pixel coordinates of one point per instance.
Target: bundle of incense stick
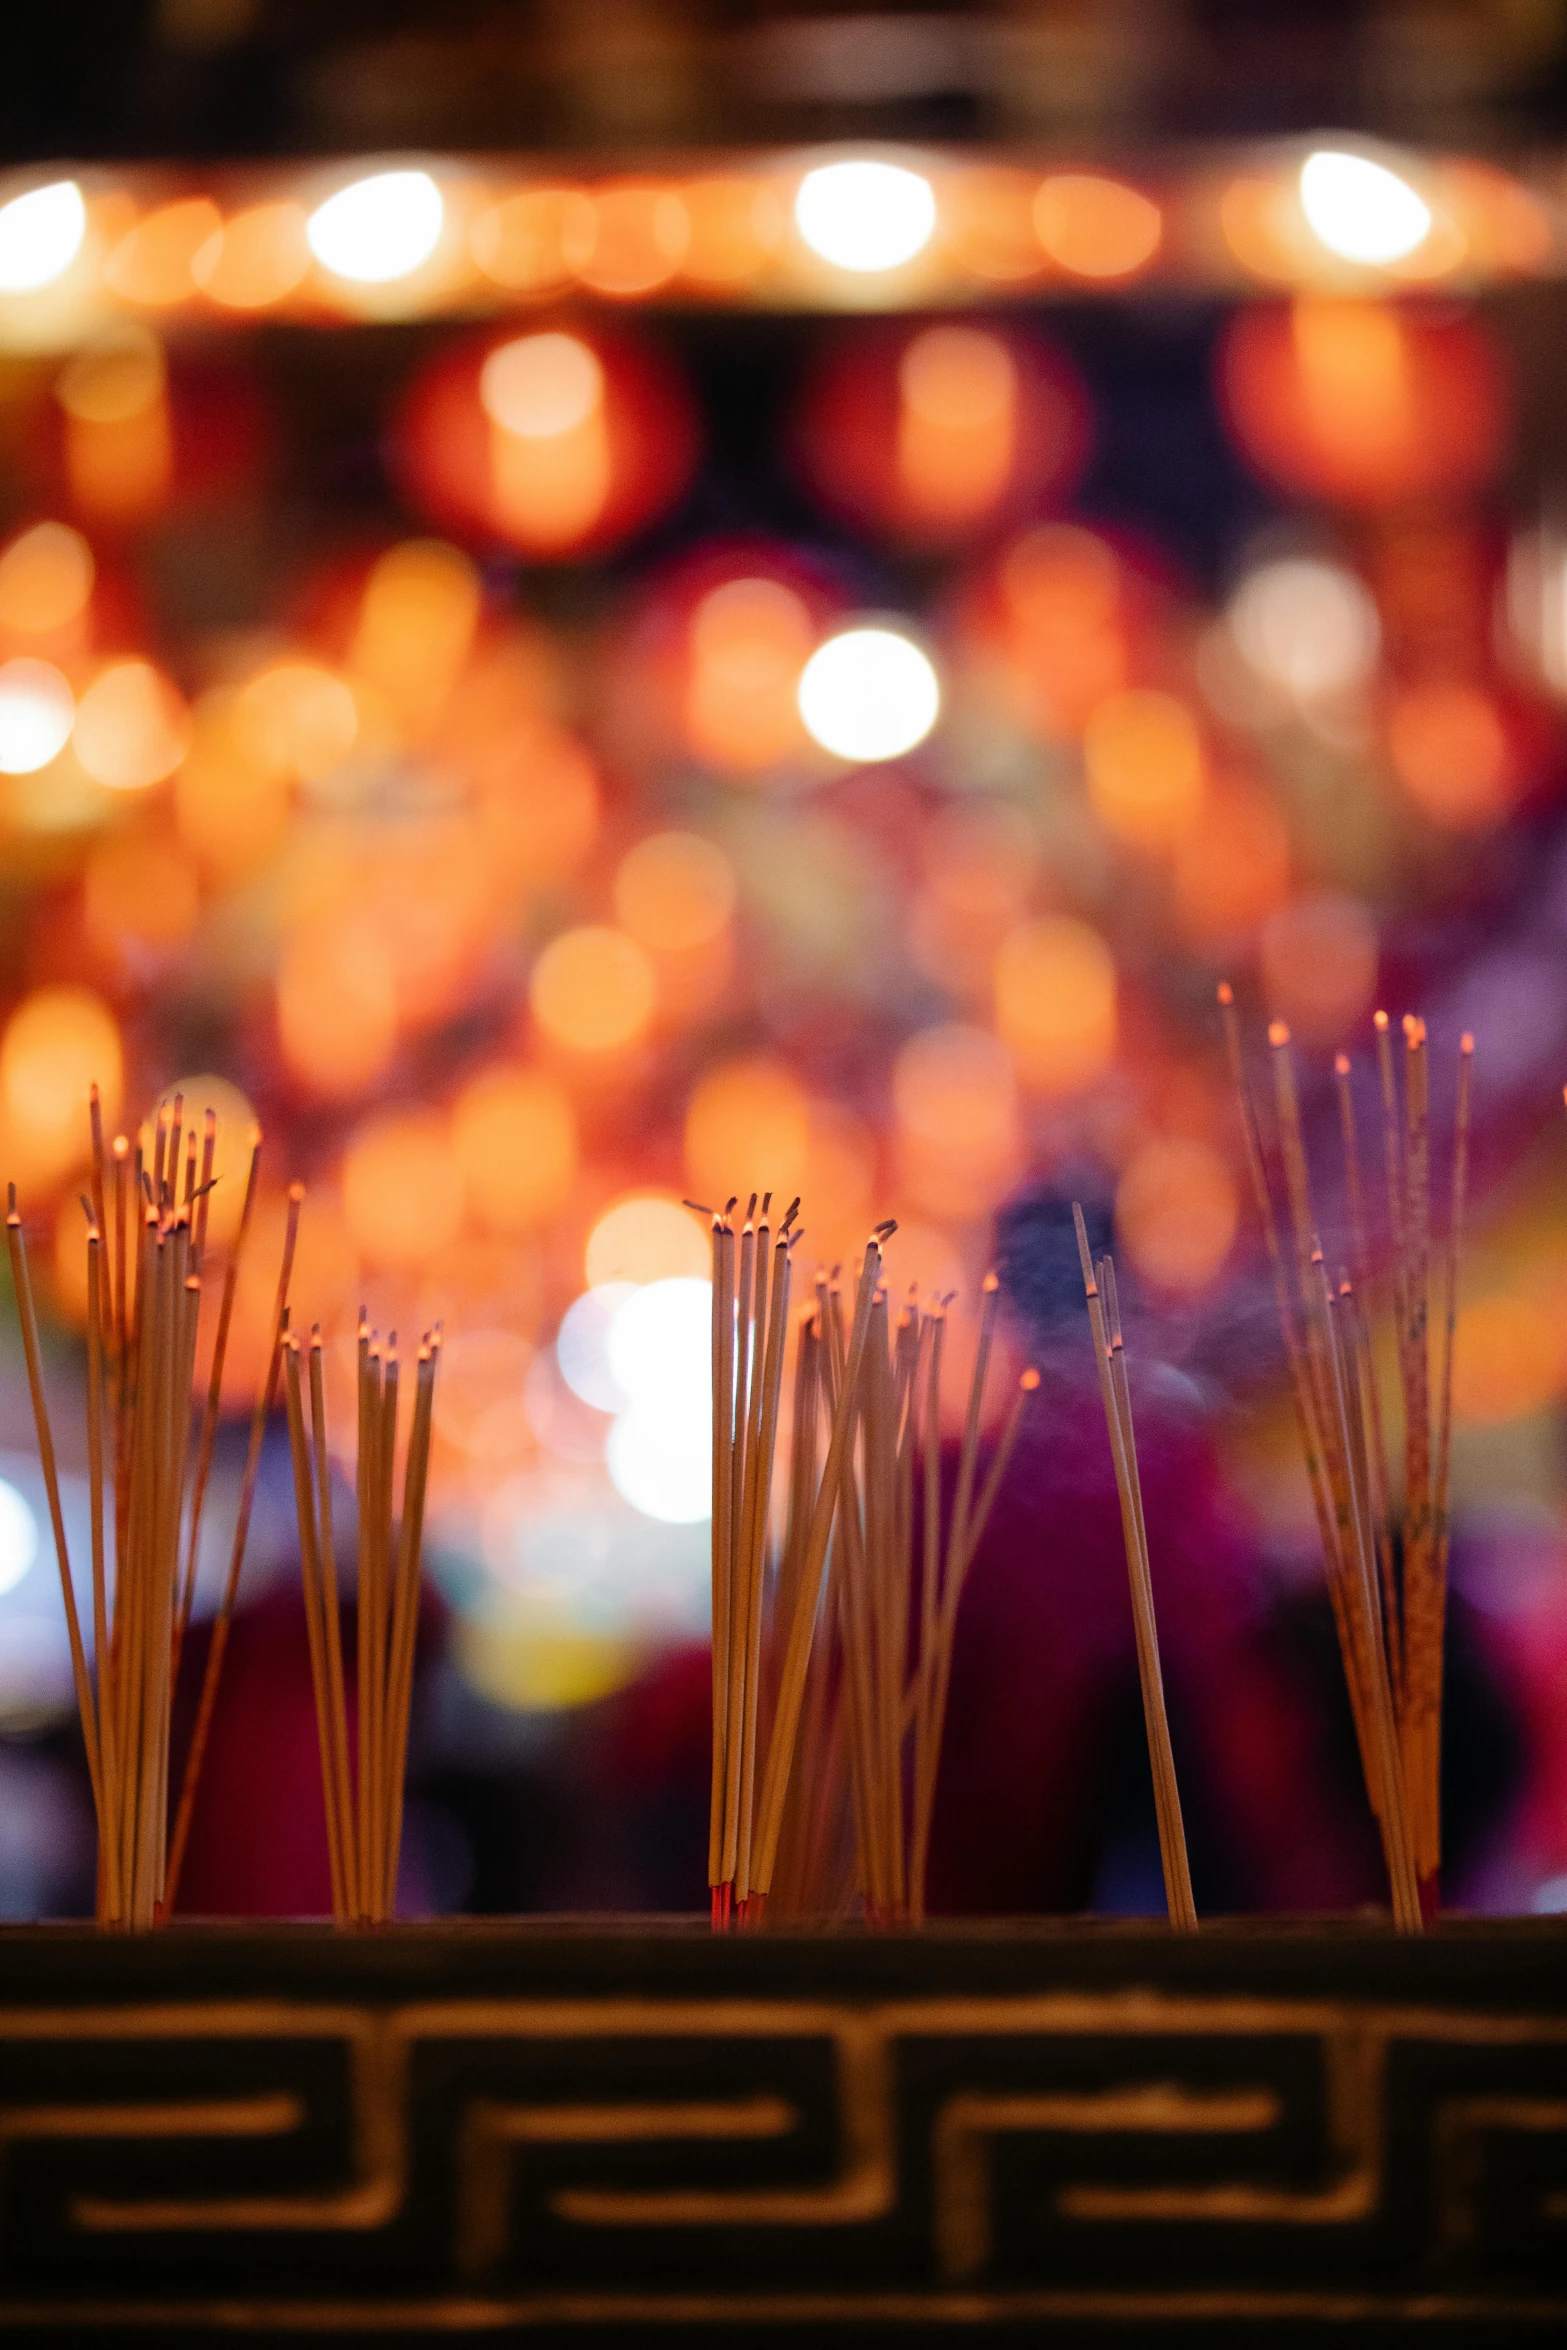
(1386, 1560)
(364, 1821)
(841, 1651)
(1104, 1316)
(143, 1318)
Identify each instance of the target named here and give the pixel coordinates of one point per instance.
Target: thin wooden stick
(1116, 1398)
(209, 1424)
(25, 1314)
(315, 1627)
(723, 1503)
(265, 1402)
(353, 1860)
(108, 1744)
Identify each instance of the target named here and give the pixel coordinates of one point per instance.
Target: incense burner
(586, 2130)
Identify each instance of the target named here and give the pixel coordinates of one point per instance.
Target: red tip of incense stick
(1379, 1019)
(1225, 992)
(1466, 1043)
(1341, 1064)
(1278, 1033)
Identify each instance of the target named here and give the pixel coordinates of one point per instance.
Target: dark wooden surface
(591, 2132)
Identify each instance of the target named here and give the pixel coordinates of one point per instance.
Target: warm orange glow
(1265, 229)
(480, 1398)
(256, 259)
(57, 1043)
(402, 1192)
(1143, 758)
(68, 1265)
(1175, 1213)
(1232, 870)
(628, 237)
(521, 242)
(1363, 402)
(957, 422)
(336, 1005)
(231, 1146)
(1505, 226)
(295, 718)
(140, 895)
(514, 1137)
(840, 1183)
(538, 807)
(431, 894)
(593, 990)
(1095, 227)
(326, 1279)
(1061, 608)
(1056, 1002)
(749, 641)
(1507, 1361)
(46, 579)
(1451, 754)
(979, 870)
(674, 891)
(647, 1236)
(132, 727)
(549, 448)
(119, 443)
(416, 625)
(153, 264)
(230, 812)
(748, 1127)
(990, 223)
(735, 226)
(1319, 965)
(954, 1090)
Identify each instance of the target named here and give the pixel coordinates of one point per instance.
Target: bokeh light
(416, 627)
(132, 726)
(514, 1138)
(735, 227)
(379, 228)
(402, 1192)
(119, 439)
(1175, 1213)
(57, 1043)
(1143, 758)
(549, 447)
(18, 1536)
(1451, 753)
(646, 1236)
(1359, 209)
(256, 259)
(957, 421)
(46, 579)
(1095, 227)
(1232, 870)
(1507, 1361)
(154, 264)
(1061, 596)
(865, 216)
(593, 990)
(749, 642)
(37, 711)
(628, 238)
(582, 1346)
(1056, 1002)
(41, 234)
(869, 694)
(336, 1005)
(674, 891)
(954, 1091)
(747, 1128)
(295, 718)
(140, 895)
(1308, 626)
(660, 1355)
(1319, 965)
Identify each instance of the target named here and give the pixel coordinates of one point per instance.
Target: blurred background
(613, 602)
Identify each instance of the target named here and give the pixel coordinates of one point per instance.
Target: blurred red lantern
(130, 435)
(937, 429)
(557, 441)
(1364, 403)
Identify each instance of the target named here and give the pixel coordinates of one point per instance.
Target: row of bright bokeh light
(412, 237)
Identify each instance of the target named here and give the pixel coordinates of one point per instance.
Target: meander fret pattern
(1140, 2150)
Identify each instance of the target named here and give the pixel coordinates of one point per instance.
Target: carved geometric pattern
(872, 2157)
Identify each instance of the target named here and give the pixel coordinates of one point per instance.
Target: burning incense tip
(296, 1193)
(991, 1282)
(1379, 1020)
(1225, 992)
(1466, 1043)
(1341, 1064)
(121, 1147)
(730, 1204)
(1029, 1380)
(697, 1208)
(767, 1201)
(1278, 1033)
(884, 1230)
